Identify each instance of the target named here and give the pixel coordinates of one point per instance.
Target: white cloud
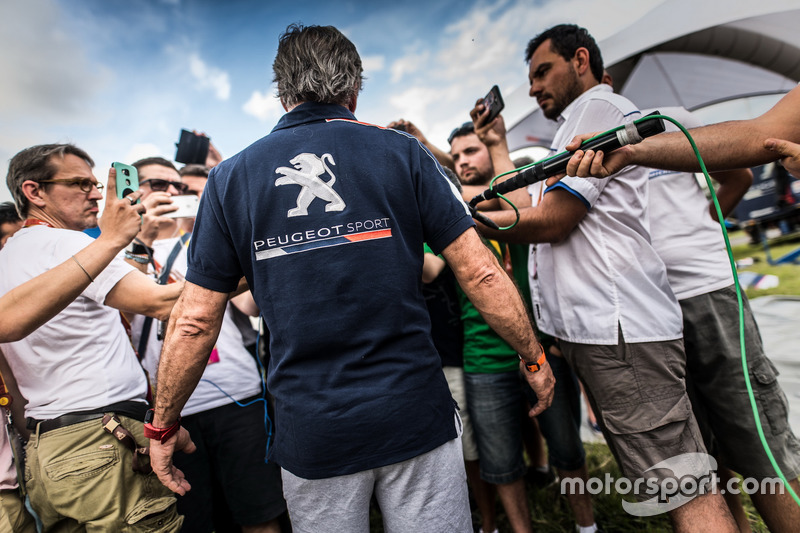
(409, 64)
(210, 77)
(444, 74)
(44, 67)
(263, 106)
(142, 150)
(372, 64)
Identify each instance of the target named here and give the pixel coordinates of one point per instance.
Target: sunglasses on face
(163, 185)
(85, 184)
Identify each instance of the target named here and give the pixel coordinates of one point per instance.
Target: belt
(131, 409)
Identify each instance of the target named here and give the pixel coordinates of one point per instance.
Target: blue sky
(121, 78)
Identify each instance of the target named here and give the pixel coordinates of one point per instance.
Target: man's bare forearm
(491, 291)
(723, 146)
(193, 329)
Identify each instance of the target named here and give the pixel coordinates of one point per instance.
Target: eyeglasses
(85, 184)
(465, 128)
(163, 185)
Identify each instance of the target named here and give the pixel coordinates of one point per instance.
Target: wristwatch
(139, 249)
(535, 366)
(159, 434)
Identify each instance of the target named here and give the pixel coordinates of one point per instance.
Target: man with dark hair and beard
(598, 285)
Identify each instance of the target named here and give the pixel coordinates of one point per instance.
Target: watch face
(148, 416)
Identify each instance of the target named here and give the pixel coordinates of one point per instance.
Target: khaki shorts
(82, 475)
(719, 394)
(13, 515)
(639, 396)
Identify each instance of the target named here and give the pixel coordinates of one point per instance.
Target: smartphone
(127, 179)
(187, 206)
(192, 149)
(494, 103)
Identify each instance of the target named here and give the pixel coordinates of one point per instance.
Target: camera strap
(162, 279)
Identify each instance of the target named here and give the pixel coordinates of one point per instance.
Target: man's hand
(157, 205)
(122, 217)
(408, 127)
(441, 156)
(596, 164)
(789, 152)
(213, 158)
(161, 461)
(490, 133)
(543, 384)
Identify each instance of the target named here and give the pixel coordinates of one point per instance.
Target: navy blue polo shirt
(326, 217)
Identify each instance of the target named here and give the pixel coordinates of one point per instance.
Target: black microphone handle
(558, 164)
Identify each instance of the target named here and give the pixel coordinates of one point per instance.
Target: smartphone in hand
(127, 179)
(187, 206)
(192, 148)
(494, 103)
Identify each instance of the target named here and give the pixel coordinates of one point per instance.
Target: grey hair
(36, 164)
(316, 64)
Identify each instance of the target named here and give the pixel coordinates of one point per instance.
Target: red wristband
(159, 434)
(535, 366)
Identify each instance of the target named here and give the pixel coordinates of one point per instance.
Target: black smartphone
(494, 103)
(127, 179)
(192, 148)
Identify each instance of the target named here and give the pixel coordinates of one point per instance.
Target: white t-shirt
(605, 273)
(682, 231)
(81, 359)
(231, 367)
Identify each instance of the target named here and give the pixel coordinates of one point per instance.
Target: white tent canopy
(690, 54)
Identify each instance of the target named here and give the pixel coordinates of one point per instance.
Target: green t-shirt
(485, 352)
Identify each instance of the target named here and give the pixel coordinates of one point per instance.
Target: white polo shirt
(605, 273)
(82, 358)
(682, 231)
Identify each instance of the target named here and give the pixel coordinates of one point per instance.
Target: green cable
(721, 219)
(732, 261)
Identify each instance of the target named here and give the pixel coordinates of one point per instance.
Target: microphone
(631, 134)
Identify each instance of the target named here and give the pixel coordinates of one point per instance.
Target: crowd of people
(409, 355)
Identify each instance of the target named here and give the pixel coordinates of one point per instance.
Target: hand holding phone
(127, 180)
(494, 103)
(192, 149)
(187, 206)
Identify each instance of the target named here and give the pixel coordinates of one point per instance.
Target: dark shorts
(638, 393)
(227, 472)
(718, 390)
(493, 402)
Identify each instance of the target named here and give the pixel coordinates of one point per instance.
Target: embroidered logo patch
(307, 172)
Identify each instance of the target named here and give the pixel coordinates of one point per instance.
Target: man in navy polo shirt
(326, 217)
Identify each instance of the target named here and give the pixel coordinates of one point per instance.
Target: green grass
(789, 275)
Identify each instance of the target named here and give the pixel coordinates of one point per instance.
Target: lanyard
(36, 222)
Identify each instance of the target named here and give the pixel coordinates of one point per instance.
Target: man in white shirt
(79, 372)
(690, 242)
(226, 413)
(597, 283)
